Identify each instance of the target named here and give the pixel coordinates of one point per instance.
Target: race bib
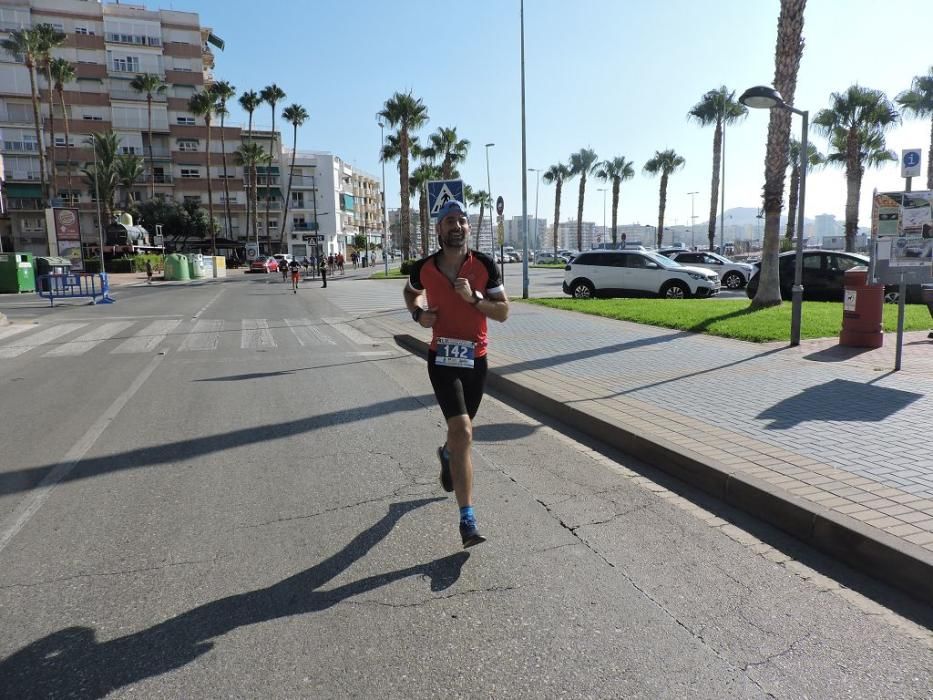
(452, 352)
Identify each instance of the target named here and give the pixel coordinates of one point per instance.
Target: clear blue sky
(616, 76)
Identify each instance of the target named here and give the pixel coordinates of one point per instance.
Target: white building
(567, 235)
(537, 233)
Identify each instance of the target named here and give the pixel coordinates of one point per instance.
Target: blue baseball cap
(450, 207)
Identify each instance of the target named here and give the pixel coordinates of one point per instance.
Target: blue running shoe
(447, 481)
(470, 534)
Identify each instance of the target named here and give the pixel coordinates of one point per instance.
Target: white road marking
(307, 332)
(28, 507)
(204, 308)
(349, 332)
(83, 343)
(7, 331)
(21, 345)
(256, 334)
(148, 338)
(204, 336)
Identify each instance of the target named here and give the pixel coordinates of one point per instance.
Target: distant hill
(743, 216)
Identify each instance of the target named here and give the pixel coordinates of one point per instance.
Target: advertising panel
(67, 227)
(902, 225)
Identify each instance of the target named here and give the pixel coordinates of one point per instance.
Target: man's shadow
(72, 663)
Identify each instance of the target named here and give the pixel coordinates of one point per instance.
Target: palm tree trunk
(714, 185)
(662, 205)
(291, 172)
(248, 174)
(853, 186)
(40, 142)
(616, 183)
(425, 219)
(61, 96)
(223, 156)
(255, 173)
(580, 211)
(53, 169)
(151, 157)
(404, 191)
(269, 177)
(792, 201)
(559, 185)
(210, 191)
(479, 224)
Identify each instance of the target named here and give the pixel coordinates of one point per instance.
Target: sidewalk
(826, 443)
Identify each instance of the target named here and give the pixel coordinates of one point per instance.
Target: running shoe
(470, 534)
(447, 481)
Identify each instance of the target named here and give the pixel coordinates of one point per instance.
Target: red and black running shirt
(457, 318)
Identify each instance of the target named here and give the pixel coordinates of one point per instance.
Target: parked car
(824, 276)
(543, 258)
(264, 264)
(285, 258)
(635, 273)
(734, 275)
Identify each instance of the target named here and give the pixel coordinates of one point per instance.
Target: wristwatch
(416, 314)
(477, 297)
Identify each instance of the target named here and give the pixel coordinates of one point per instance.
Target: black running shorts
(459, 390)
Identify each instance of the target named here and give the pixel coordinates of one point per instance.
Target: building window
(188, 144)
(127, 64)
(81, 30)
(130, 150)
(92, 117)
(191, 173)
(192, 199)
(185, 121)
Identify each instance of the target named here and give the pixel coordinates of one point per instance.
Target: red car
(264, 264)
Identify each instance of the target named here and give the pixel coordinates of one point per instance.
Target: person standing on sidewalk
(323, 268)
(453, 292)
(148, 272)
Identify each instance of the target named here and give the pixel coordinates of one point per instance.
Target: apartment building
(109, 44)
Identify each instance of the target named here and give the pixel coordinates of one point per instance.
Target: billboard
(902, 226)
(67, 227)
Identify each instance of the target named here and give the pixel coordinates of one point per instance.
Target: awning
(215, 40)
(22, 191)
(273, 191)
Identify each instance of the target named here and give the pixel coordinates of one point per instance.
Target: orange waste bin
(863, 307)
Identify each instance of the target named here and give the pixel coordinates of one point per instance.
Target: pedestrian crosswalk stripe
(23, 345)
(308, 332)
(85, 342)
(203, 337)
(349, 332)
(8, 331)
(256, 335)
(148, 338)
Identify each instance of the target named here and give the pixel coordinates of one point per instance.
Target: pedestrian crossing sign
(442, 191)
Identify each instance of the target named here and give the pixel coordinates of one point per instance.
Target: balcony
(135, 96)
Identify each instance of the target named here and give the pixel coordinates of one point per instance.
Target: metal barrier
(74, 285)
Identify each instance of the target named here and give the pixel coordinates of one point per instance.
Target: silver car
(734, 275)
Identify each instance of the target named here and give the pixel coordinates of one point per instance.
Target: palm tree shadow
(71, 662)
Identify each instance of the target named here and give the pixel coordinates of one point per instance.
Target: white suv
(635, 273)
(734, 275)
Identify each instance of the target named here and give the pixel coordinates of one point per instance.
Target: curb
(900, 564)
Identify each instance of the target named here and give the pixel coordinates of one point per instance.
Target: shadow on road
(72, 663)
(184, 450)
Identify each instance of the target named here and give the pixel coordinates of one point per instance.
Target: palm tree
(425, 172)
(223, 91)
(582, 163)
(665, 163)
(855, 125)
(296, 115)
(248, 156)
(102, 177)
(814, 160)
(717, 107)
(616, 170)
(918, 102)
(24, 45)
(555, 175)
(477, 198)
(454, 150)
(48, 38)
(201, 104)
(787, 55)
(409, 114)
(151, 84)
(63, 72)
(271, 95)
(127, 170)
(250, 101)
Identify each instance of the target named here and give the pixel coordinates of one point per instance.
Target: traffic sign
(442, 191)
(910, 162)
(500, 206)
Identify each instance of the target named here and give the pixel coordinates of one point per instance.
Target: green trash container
(195, 265)
(50, 265)
(16, 273)
(176, 268)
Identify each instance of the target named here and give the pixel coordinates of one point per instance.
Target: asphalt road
(231, 490)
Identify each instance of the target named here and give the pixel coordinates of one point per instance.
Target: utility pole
(692, 218)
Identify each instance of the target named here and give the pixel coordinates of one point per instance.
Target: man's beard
(454, 240)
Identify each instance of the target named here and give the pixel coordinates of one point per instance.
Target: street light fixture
(765, 97)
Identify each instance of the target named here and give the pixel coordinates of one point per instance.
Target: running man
(462, 288)
(295, 268)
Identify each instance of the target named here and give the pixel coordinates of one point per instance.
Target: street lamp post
(765, 97)
(603, 190)
(385, 218)
(692, 218)
(100, 226)
(537, 172)
(521, 15)
(489, 189)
